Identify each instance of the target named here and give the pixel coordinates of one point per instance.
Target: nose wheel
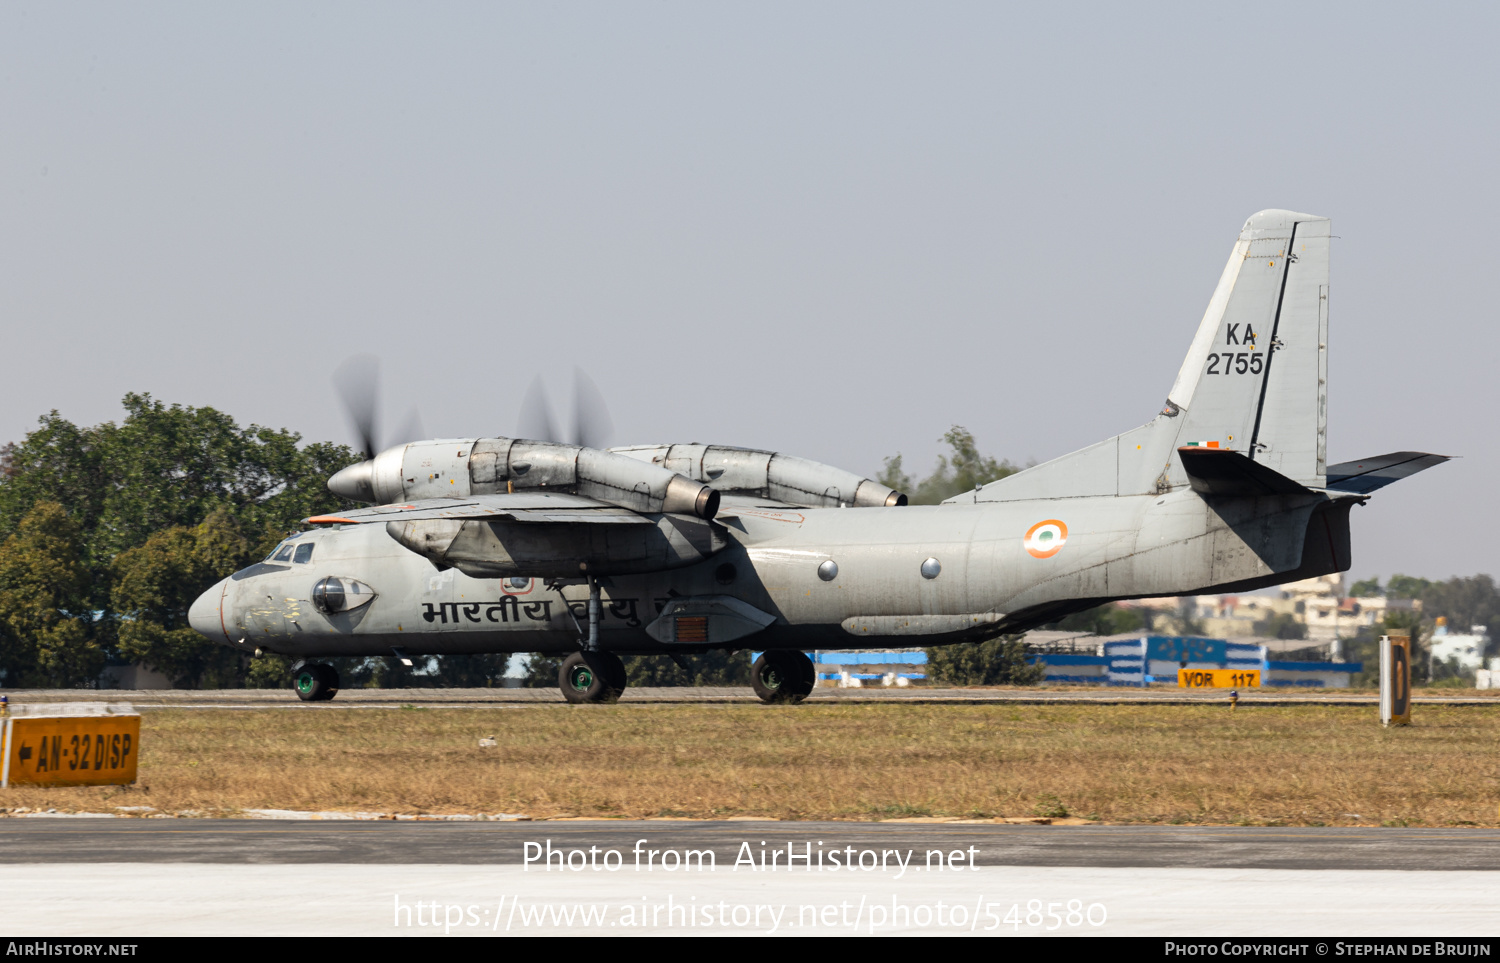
(315, 681)
(591, 677)
(783, 676)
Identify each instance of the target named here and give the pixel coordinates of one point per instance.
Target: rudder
(1255, 379)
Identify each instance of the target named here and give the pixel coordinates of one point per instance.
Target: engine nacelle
(462, 467)
(769, 474)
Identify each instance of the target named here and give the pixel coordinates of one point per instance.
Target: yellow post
(1395, 678)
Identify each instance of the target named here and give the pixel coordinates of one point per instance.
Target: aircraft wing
(518, 507)
(1369, 474)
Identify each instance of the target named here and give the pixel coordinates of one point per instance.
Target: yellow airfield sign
(1218, 678)
(70, 750)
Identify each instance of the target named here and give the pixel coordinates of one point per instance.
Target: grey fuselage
(989, 583)
(1226, 489)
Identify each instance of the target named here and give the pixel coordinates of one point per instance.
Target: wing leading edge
(518, 507)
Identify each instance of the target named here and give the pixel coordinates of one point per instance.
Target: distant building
(1317, 603)
(1465, 649)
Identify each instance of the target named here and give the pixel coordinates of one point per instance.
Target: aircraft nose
(204, 614)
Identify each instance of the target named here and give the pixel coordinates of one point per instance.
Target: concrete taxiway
(78, 877)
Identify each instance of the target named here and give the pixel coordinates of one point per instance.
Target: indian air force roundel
(1046, 539)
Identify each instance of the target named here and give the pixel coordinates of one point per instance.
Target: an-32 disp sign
(70, 744)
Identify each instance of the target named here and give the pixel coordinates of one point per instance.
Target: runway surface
(62, 840)
(107, 878)
(473, 698)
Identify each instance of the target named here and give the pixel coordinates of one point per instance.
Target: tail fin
(1254, 380)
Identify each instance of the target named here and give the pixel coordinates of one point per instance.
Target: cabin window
(304, 553)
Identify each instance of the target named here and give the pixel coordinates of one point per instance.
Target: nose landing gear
(315, 681)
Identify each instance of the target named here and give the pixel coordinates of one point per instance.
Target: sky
(830, 229)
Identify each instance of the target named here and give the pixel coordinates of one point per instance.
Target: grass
(1301, 765)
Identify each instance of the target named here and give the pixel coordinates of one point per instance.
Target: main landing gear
(591, 677)
(783, 676)
(315, 681)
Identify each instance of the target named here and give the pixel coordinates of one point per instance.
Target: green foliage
(483, 670)
(164, 467)
(154, 585)
(136, 498)
(962, 470)
(718, 668)
(1465, 602)
(1049, 806)
(269, 671)
(1365, 649)
(1368, 588)
(999, 661)
(1109, 619)
(48, 636)
(541, 671)
(1406, 587)
(1281, 625)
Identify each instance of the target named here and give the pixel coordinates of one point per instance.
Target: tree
(1365, 649)
(1406, 587)
(1281, 625)
(164, 467)
(1108, 619)
(1465, 602)
(999, 661)
(159, 475)
(1368, 588)
(962, 470)
(47, 628)
(541, 671)
(156, 582)
(719, 667)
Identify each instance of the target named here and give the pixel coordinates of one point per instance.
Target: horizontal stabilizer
(1222, 471)
(1369, 474)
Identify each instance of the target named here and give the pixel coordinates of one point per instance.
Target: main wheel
(330, 681)
(315, 682)
(591, 677)
(782, 676)
(614, 672)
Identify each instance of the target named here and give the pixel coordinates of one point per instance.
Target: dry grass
(1168, 764)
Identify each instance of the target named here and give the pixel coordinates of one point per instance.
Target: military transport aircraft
(511, 545)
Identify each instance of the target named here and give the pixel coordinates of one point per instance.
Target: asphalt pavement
(82, 840)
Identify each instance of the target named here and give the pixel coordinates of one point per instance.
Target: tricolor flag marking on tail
(1046, 539)
(1200, 444)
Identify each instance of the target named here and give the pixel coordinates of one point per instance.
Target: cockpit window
(304, 552)
(283, 554)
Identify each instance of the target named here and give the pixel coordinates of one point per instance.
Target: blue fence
(1140, 662)
(1132, 662)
